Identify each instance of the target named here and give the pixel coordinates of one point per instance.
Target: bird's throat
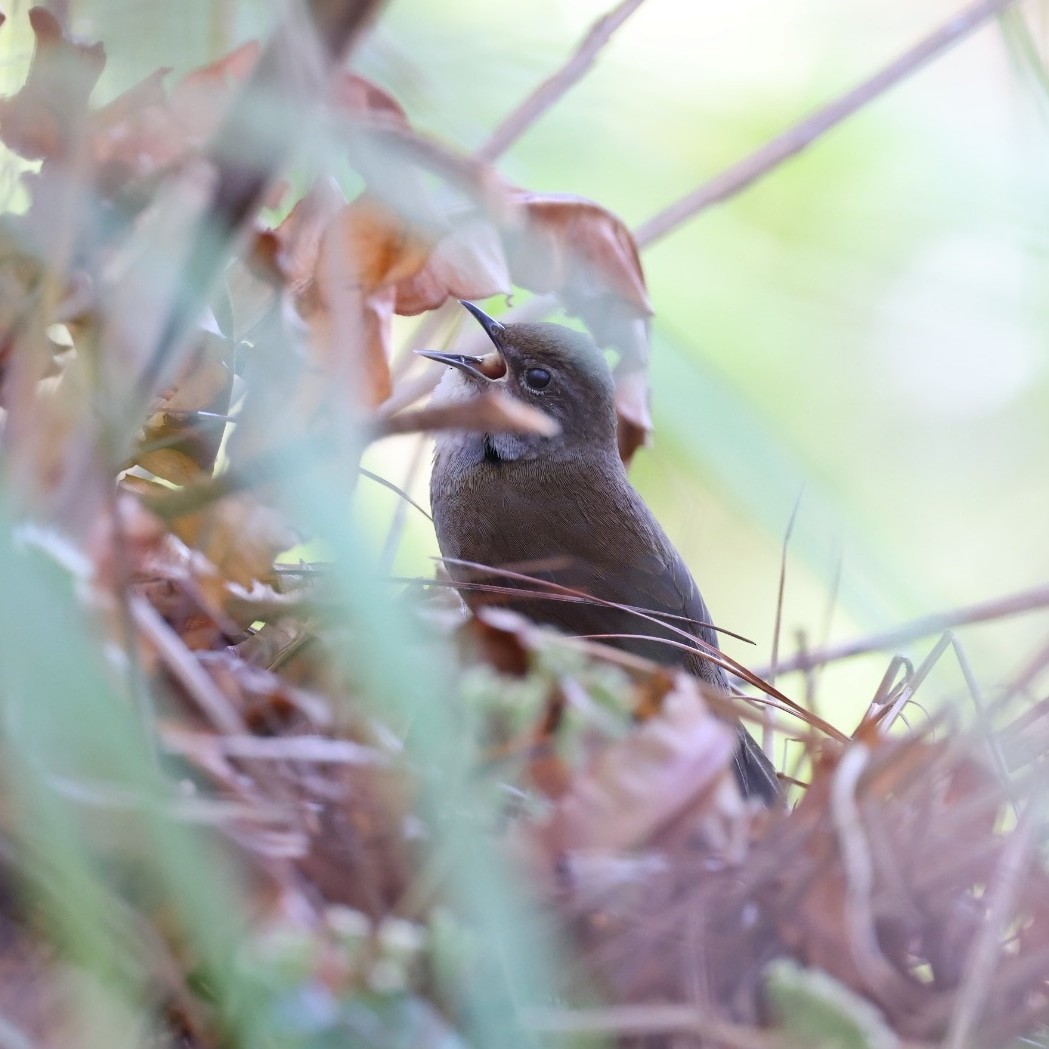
(491, 453)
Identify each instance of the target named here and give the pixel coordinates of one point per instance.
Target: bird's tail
(755, 773)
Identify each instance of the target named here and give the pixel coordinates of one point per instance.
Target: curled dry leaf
(239, 536)
(282, 258)
(580, 250)
(144, 132)
(299, 235)
(362, 254)
(46, 117)
(372, 262)
(179, 442)
(638, 785)
(199, 101)
(633, 419)
(354, 95)
(135, 136)
(466, 263)
(585, 254)
(368, 246)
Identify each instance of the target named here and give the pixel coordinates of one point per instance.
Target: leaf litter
(901, 896)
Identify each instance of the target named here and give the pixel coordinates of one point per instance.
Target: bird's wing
(602, 540)
(597, 536)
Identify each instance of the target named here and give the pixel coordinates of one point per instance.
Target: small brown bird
(562, 509)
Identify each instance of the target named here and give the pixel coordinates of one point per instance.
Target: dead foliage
(909, 870)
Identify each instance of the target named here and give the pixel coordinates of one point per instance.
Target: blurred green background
(864, 328)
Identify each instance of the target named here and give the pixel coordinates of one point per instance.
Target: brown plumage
(562, 509)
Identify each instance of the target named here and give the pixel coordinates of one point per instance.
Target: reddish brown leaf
(633, 420)
(350, 338)
(577, 248)
(363, 252)
(638, 785)
(357, 96)
(44, 118)
(200, 99)
(368, 246)
(135, 136)
(466, 263)
(176, 432)
(239, 536)
(586, 255)
(499, 638)
(299, 235)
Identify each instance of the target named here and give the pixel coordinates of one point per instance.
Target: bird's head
(555, 369)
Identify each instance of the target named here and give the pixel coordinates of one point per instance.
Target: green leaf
(817, 1012)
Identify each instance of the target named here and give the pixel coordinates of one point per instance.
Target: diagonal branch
(983, 612)
(548, 92)
(792, 141)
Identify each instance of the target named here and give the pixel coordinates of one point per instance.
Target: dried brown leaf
(199, 101)
(637, 786)
(358, 96)
(587, 256)
(500, 640)
(44, 119)
(299, 235)
(466, 263)
(351, 342)
(178, 443)
(633, 419)
(367, 246)
(238, 535)
(363, 252)
(267, 703)
(578, 249)
(135, 136)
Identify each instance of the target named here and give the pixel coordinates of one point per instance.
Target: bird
(560, 509)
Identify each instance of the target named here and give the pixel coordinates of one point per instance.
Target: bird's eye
(537, 378)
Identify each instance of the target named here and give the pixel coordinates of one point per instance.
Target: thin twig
(313, 749)
(185, 669)
(488, 412)
(394, 488)
(994, 743)
(792, 141)
(778, 624)
(1026, 678)
(917, 679)
(548, 92)
(982, 612)
(763, 160)
(694, 645)
(812, 674)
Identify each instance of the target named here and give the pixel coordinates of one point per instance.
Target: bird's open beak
(493, 329)
(490, 367)
(487, 368)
